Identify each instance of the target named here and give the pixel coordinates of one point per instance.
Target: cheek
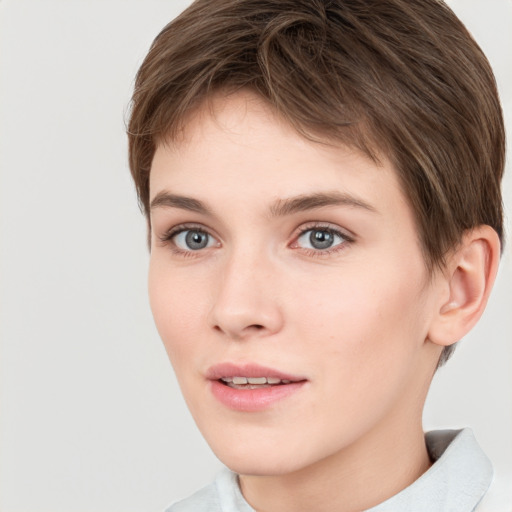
(176, 308)
(363, 324)
(364, 341)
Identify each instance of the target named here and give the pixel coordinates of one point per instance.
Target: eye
(192, 240)
(320, 239)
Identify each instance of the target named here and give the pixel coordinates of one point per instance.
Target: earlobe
(470, 274)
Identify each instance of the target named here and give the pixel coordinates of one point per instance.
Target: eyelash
(166, 239)
(346, 239)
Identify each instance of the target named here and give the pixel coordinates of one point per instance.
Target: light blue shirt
(456, 482)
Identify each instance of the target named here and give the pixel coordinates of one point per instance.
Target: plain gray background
(91, 417)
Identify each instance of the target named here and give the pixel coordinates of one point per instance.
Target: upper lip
(218, 371)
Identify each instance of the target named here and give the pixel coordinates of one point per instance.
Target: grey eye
(319, 239)
(193, 240)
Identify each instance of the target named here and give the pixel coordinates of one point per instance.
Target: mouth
(253, 382)
(251, 388)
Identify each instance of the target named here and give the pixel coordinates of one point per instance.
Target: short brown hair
(398, 77)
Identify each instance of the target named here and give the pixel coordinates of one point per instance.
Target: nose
(245, 302)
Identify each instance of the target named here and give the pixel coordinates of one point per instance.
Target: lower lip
(253, 400)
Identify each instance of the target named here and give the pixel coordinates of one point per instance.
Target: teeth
(239, 381)
(257, 380)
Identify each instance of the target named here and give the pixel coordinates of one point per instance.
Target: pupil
(196, 240)
(321, 239)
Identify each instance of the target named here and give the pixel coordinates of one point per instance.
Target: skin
(354, 319)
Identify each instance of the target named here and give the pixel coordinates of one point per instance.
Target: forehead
(235, 145)
(243, 118)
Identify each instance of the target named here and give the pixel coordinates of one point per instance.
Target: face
(288, 286)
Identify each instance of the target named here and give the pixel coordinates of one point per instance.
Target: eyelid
(167, 236)
(328, 226)
(347, 236)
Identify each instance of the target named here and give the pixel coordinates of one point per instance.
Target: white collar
(458, 479)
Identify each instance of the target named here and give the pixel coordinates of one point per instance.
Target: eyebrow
(166, 200)
(280, 208)
(307, 202)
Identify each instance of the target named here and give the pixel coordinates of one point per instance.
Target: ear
(467, 282)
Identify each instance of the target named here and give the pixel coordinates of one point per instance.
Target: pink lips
(251, 400)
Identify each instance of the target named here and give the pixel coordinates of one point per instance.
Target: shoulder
(221, 496)
(204, 500)
(499, 495)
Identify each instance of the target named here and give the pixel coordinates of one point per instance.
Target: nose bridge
(245, 301)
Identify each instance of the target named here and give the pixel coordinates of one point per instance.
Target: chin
(261, 466)
(265, 457)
